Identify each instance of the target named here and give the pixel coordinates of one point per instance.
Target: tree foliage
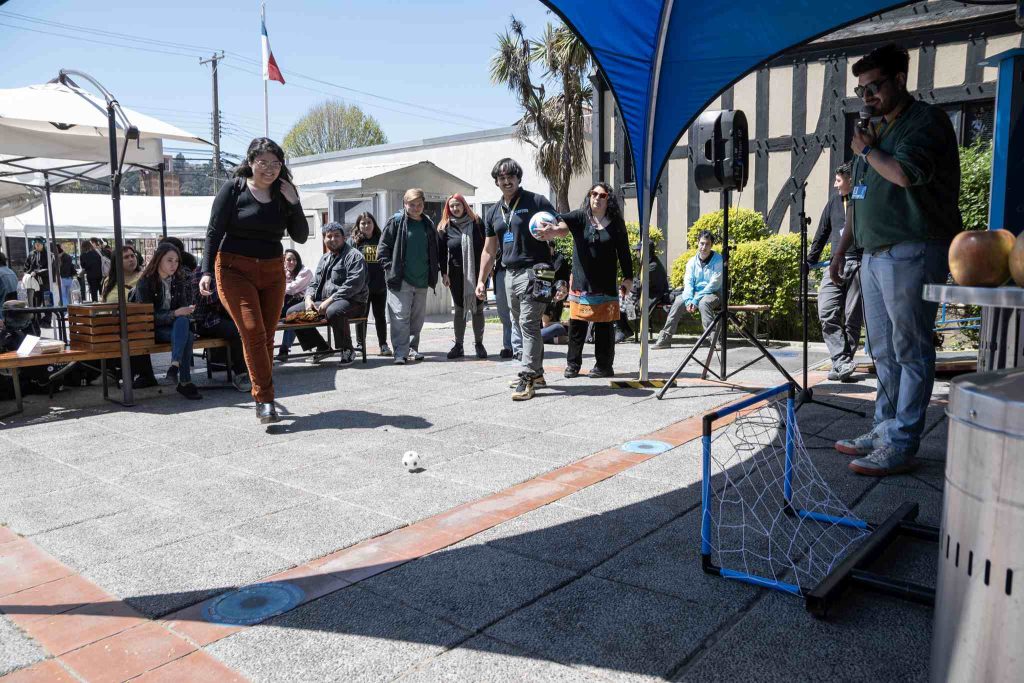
(551, 123)
(745, 225)
(975, 179)
(332, 126)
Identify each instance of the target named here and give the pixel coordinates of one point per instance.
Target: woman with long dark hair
(164, 285)
(243, 250)
(601, 247)
(131, 263)
(461, 235)
(365, 237)
(296, 278)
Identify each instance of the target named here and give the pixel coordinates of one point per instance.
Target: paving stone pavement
(170, 502)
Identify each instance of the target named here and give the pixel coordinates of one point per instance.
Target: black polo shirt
(511, 225)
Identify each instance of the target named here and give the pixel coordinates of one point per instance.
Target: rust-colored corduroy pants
(252, 291)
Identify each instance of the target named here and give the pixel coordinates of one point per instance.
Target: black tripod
(806, 395)
(720, 326)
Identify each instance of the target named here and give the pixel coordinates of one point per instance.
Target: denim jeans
(899, 325)
(526, 315)
(708, 306)
(406, 309)
(511, 336)
(179, 334)
(66, 284)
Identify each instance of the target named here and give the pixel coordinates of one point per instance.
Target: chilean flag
(271, 72)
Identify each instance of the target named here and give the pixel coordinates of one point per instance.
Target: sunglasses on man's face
(599, 195)
(871, 89)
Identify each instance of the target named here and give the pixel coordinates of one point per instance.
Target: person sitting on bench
(702, 286)
(339, 291)
(212, 321)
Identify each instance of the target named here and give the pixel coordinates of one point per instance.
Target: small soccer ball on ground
(411, 460)
(538, 218)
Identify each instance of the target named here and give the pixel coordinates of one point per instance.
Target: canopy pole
(48, 219)
(163, 206)
(128, 392)
(645, 233)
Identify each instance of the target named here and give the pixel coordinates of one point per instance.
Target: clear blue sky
(431, 53)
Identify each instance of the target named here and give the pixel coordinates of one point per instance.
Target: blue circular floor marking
(646, 446)
(253, 604)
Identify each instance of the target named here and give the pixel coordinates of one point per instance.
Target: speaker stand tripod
(805, 395)
(719, 327)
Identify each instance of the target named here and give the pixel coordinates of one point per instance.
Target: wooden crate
(96, 327)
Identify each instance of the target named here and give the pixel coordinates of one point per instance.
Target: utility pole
(217, 169)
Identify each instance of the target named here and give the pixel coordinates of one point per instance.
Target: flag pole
(266, 97)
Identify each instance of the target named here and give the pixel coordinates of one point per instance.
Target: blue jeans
(511, 335)
(66, 284)
(179, 334)
(899, 325)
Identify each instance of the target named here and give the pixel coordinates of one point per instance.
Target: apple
(1017, 260)
(981, 258)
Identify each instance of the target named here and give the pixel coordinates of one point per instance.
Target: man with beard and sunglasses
(904, 212)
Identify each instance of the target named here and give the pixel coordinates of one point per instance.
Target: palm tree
(553, 125)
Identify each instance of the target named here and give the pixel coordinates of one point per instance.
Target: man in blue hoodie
(702, 287)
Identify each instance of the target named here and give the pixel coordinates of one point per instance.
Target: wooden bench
(755, 310)
(13, 362)
(360, 324)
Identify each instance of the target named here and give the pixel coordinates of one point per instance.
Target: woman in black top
(600, 245)
(461, 235)
(365, 237)
(243, 249)
(164, 285)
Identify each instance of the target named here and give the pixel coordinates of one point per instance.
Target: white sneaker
(415, 355)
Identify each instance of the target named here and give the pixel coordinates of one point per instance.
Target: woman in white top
(297, 279)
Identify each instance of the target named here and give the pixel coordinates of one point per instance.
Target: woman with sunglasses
(601, 249)
(243, 249)
(461, 235)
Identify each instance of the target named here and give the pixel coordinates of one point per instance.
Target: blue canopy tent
(666, 61)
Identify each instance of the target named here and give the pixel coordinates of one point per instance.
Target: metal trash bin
(979, 603)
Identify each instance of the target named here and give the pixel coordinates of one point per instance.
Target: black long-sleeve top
(596, 253)
(830, 228)
(239, 224)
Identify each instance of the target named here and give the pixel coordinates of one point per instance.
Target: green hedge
(745, 225)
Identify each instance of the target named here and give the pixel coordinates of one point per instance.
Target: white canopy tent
(58, 132)
(88, 215)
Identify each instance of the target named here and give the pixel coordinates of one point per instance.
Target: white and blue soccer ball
(538, 218)
(411, 460)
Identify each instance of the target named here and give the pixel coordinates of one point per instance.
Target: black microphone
(864, 120)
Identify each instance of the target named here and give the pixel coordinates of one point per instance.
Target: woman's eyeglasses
(599, 195)
(870, 89)
(263, 165)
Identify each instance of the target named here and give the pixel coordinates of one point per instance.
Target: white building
(338, 186)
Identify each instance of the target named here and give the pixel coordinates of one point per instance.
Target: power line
(99, 42)
(249, 60)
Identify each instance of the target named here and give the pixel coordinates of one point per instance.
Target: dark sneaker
(505, 353)
(481, 352)
(538, 382)
(571, 372)
(859, 445)
(385, 350)
(282, 356)
(599, 373)
(883, 461)
(415, 355)
(189, 391)
(620, 336)
(518, 355)
(144, 382)
(456, 352)
(172, 374)
(347, 356)
(321, 354)
(523, 390)
(664, 341)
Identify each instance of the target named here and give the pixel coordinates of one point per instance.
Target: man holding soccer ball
(508, 223)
